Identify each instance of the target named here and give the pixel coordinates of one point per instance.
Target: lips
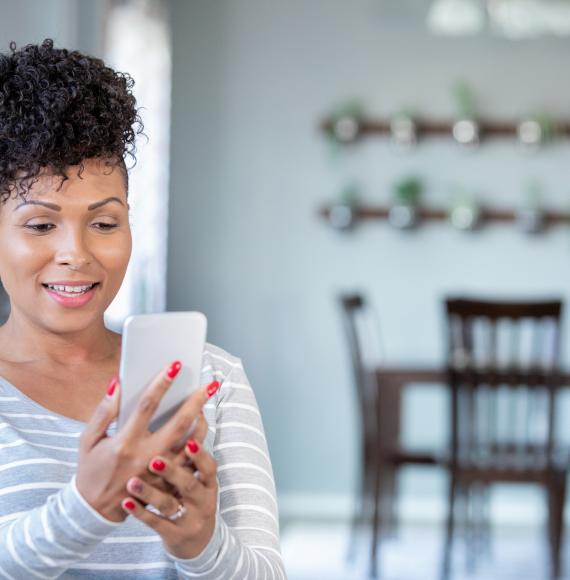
(71, 294)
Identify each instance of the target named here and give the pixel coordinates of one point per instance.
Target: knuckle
(201, 429)
(190, 485)
(122, 452)
(147, 404)
(193, 404)
(180, 428)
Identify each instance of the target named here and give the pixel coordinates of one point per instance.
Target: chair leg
(471, 493)
(477, 524)
(362, 505)
(556, 501)
(389, 501)
(448, 546)
(376, 520)
(486, 544)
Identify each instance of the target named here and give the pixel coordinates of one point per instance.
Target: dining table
(391, 382)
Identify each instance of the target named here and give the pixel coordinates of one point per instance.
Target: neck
(23, 341)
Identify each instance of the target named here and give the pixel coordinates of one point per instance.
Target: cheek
(115, 255)
(21, 258)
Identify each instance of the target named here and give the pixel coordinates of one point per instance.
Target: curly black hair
(57, 109)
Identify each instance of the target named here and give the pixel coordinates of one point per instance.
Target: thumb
(104, 414)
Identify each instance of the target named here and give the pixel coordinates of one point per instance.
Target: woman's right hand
(107, 463)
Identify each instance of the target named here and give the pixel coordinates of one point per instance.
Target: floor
(318, 552)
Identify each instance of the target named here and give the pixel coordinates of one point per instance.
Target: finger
(136, 509)
(182, 479)
(204, 463)
(178, 445)
(164, 502)
(157, 482)
(104, 414)
(148, 403)
(176, 431)
(199, 434)
(201, 431)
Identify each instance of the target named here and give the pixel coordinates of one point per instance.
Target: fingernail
(212, 388)
(129, 504)
(135, 486)
(192, 446)
(112, 386)
(174, 369)
(158, 465)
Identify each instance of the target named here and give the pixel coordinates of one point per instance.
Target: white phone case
(149, 343)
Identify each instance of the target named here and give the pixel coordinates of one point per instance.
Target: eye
(104, 226)
(40, 228)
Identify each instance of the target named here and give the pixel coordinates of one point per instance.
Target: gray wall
(71, 23)
(249, 169)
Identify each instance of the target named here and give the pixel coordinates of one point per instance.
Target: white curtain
(137, 41)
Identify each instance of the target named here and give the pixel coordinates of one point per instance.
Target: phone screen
(151, 342)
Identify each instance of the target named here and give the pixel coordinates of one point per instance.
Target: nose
(73, 251)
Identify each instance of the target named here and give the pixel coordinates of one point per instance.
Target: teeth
(70, 289)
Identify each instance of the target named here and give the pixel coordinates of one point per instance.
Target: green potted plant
(346, 122)
(466, 129)
(404, 211)
(404, 132)
(530, 215)
(342, 214)
(536, 130)
(465, 213)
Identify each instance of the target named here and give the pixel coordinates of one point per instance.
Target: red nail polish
(174, 369)
(112, 386)
(136, 486)
(192, 446)
(158, 465)
(129, 505)
(212, 388)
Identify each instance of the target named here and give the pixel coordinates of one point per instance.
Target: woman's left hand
(193, 504)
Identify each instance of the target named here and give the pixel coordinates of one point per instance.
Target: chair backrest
(359, 324)
(503, 365)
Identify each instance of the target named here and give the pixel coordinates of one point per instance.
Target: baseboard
(413, 510)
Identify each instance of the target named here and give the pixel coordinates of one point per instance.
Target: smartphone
(149, 343)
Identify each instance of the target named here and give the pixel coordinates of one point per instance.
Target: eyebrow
(56, 207)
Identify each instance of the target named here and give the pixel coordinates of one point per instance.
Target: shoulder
(219, 362)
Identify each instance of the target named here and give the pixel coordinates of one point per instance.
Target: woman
(79, 499)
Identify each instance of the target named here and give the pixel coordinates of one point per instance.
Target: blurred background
(404, 151)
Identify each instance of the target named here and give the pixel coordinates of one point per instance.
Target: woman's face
(64, 250)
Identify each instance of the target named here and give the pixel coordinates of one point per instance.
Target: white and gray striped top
(47, 530)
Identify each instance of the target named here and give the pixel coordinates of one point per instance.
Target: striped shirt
(47, 530)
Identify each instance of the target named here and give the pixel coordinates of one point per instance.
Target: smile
(71, 295)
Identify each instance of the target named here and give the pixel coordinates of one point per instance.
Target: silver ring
(179, 512)
(182, 509)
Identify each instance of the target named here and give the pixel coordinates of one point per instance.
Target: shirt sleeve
(246, 534)
(45, 541)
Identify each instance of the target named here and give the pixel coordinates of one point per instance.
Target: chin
(70, 323)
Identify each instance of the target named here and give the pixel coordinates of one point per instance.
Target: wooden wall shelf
(426, 214)
(487, 128)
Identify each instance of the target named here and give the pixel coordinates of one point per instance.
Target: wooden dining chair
(378, 406)
(503, 372)
(355, 313)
